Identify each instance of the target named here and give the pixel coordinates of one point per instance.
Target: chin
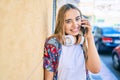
(72, 33)
(75, 34)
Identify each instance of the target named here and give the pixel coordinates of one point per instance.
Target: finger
(86, 26)
(85, 22)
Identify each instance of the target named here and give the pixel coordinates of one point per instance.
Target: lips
(75, 30)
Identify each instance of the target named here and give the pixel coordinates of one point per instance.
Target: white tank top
(72, 63)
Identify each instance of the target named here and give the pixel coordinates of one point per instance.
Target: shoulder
(52, 49)
(52, 41)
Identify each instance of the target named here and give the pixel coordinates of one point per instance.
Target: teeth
(75, 30)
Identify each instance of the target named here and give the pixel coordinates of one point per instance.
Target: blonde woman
(70, 52)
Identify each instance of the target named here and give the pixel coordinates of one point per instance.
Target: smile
(75, 30)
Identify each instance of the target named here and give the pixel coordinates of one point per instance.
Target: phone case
(83, 29)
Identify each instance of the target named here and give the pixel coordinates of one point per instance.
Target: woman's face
(72, 22)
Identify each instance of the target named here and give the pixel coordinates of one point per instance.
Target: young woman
(70, 52)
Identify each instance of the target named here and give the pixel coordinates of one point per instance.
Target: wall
(24, 25)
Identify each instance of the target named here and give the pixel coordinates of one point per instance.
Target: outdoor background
(25, 24)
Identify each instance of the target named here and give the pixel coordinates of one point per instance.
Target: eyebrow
(78, 17)
(70, 19)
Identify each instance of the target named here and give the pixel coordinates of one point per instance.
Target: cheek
(67, 28)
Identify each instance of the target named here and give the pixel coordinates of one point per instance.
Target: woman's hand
(85, 23)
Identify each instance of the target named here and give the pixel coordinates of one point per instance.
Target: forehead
(72, 13)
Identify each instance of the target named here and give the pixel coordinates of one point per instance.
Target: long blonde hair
(59, 30)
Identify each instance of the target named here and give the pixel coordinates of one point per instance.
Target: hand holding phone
(84, 29)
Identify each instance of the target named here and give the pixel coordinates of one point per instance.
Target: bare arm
(93, 62)
(48, 75)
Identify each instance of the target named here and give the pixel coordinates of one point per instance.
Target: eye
(78, 19)
(68, 21)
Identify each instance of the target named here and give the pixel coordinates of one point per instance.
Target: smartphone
(83, 29)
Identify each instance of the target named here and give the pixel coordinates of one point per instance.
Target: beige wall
(24, 25)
